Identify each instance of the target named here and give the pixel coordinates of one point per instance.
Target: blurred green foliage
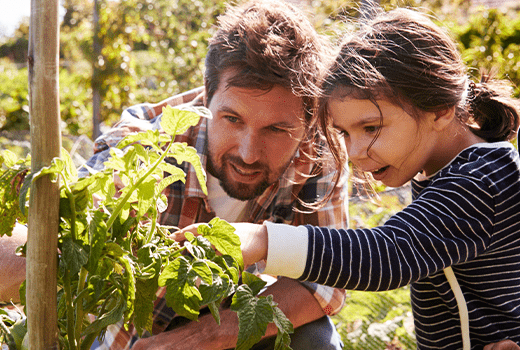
(377, 320)
(490, 40)
(151, 50)
(380, 320)
(14, 107)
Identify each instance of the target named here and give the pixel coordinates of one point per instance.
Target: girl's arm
(443, 227)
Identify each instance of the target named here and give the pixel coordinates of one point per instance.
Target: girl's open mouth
(380, 171)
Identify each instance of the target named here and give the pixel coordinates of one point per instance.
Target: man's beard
(239, 190)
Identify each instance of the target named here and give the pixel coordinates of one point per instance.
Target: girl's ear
(443, 118)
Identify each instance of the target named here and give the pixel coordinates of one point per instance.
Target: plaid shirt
(187, 204)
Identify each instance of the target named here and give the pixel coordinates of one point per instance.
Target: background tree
(153, 49)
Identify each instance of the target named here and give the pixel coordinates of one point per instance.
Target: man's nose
(250, 147)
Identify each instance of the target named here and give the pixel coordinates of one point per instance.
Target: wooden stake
(43, 218)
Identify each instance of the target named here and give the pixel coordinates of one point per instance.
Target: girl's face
(403, 148)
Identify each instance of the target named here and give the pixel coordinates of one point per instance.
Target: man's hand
(204, 335)
(12, 267)
(253, 240)
(207, 335)
(502, 345)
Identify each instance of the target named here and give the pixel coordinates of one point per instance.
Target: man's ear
(443, 118)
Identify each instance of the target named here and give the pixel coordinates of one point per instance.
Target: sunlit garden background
(136, 51)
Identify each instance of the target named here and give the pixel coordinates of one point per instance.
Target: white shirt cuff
(287, 250)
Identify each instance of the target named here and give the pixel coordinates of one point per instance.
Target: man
(12, 267)
(260, 153)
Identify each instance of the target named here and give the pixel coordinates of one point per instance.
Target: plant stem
(87, 342)
(152, 228)
(72, 201)
(8, 336)
(79, 303)
(70, 311)
(122, 202)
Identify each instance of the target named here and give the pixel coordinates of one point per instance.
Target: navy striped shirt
(466, 216)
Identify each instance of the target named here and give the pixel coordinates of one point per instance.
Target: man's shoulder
(194, 96)
(149, 110)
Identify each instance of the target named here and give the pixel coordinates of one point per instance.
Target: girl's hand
(502, 345)
(253, 240)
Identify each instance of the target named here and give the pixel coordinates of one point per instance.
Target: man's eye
(277, 129)
(231, 119)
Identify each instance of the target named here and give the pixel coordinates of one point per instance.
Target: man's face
(252, 137)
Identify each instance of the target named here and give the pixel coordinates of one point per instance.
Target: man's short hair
(269, 43)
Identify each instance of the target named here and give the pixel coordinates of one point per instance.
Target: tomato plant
(113, 255)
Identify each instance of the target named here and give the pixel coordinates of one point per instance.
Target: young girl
(399, 95)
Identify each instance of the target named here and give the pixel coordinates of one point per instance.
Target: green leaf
(176, 175)
(145, 196)
(114, 249)
(172, 169)
(57, 166)
(183, 153)
(75, 254)
(144, 304)
(181, 293)
(175, 121)
(198, 247)
(201, 268)
(96, 287)
(10, 182)
(116, 160)
(82, 198)
(18, 332)
(254, 282)
(22, 292)
(100, 183)
(24, 191)
(115, 313)
(97, 237)
(121, 229)
(8, 158)
(148, 138)
(70, 172)
(222, 235)
(214, 309)
(141, 153)
(254, 314)
(129, 279)
(285, 327)
(219, 289)
(229, 265)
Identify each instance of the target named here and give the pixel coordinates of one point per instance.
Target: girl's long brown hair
(403, 56)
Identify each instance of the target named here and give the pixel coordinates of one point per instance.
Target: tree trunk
(43, 218)
(96, 100)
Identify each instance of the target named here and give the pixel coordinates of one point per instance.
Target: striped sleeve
(333, 214)
(450, 223)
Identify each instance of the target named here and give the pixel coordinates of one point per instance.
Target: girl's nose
(356, 149)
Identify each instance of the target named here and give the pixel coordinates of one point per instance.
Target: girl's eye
(372, 129)
(341, 133)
